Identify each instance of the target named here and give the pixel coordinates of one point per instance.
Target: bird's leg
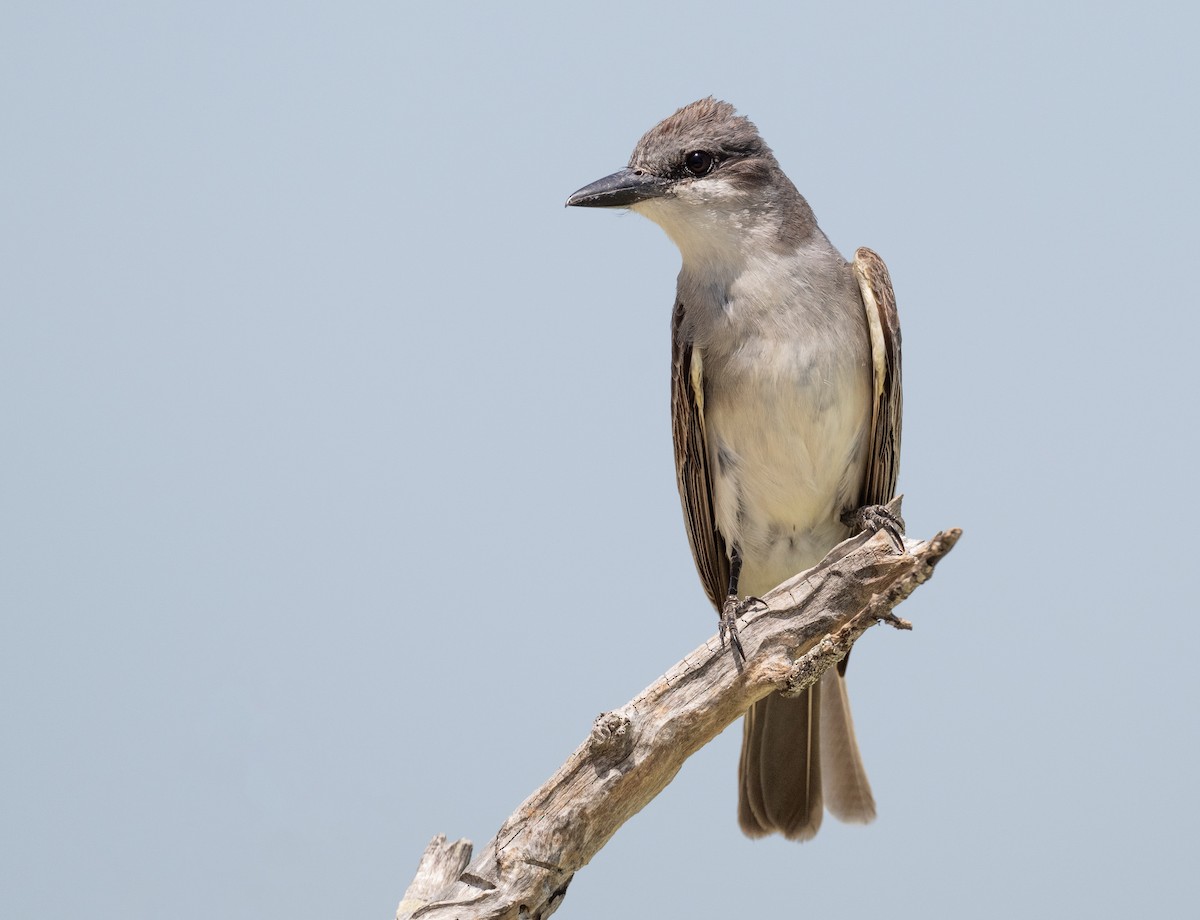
(874, 518)
(734, 606)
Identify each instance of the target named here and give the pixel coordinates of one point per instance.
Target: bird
(786, 412)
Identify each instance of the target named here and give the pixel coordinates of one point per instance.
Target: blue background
(337, 494)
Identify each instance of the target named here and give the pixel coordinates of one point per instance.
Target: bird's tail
(799, 756)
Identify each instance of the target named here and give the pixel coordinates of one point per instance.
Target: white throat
(716, 233)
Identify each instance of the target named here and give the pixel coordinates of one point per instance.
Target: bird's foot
(735, 607)
(874, 518)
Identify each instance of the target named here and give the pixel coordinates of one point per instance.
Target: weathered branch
(807, 625)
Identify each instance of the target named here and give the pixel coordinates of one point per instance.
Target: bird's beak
(620, 190)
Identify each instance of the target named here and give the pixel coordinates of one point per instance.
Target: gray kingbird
(785, 406)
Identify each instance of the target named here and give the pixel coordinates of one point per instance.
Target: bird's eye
(699, 162)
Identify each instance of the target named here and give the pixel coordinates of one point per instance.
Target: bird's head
(708, 179)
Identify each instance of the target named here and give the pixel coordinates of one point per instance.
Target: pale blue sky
(300, 356)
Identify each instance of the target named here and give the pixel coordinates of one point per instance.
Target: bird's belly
(787, 458)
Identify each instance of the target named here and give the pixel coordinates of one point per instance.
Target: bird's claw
(874, 518)
(735, 607)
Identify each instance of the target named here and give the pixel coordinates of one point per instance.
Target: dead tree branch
(806, 625)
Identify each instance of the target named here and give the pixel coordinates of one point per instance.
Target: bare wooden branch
(805, 626)
(441, 865)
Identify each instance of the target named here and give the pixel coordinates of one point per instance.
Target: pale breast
(787, 413)
(787, 453)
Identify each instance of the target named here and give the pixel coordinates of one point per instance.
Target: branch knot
(611, 739)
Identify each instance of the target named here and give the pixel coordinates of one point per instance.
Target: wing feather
(692, 464)
(883, 458)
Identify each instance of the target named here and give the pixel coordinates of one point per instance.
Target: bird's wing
(691, 463)
(883, 458)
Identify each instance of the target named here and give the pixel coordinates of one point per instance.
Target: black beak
(620, 190)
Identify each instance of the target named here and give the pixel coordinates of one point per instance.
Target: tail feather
(751, 814)
(798, 755)
(847, 790)
(780, 778)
